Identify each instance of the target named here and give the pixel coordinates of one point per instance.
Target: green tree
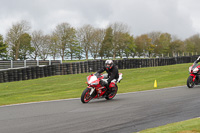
(130, 47)
(25, 48)
(118, 41)
(162, 44)
(106, 47)
(139, 46)
(85, 36)
(13, 35)
(65, 34)
(122, 42)
(98, 37)
(149, 47)
(3, 48)
(74, 50)
(54, 50)
(193, 44)
(165, 40)
(190, 46)
(144, 45)
(36, 41)
(79, 52)
(176, 47)
(73, 47)
(45, 47)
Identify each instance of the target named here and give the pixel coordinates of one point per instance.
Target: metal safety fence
(5, 64)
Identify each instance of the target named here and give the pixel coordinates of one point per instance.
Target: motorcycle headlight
(95, 83)
(195, 70)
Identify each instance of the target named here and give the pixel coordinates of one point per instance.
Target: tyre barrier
(49, 72)
(5, 76)
(24, 74)
(29, 73)
(90, 66)
(15, 75)
(41, 72)
(81, 68)
(46, 74)
(74, 68)
(1, 77)
(19, 73)
(53, 70)
(58, 69)
(68, 71)
(34, 72)
(86, 66)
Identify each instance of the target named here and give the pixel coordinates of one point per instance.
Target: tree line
(69, 42)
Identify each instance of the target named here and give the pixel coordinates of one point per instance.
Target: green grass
(71, 86)
(189, 126)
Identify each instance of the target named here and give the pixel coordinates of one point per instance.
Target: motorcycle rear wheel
(112, 94)
(86, 97)
(190, 82)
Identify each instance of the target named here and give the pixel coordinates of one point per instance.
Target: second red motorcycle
(194, 72)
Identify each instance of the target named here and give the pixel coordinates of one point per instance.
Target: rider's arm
(112, 76)
(101, 70)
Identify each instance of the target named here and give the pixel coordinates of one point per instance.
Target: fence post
(37, 62)
(24, 63)
(11, 63)
(49, 62)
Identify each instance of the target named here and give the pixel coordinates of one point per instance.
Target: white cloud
(178, 17)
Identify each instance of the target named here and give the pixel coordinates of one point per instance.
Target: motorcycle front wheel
(113, 93)
(86, 97)
(190, 82)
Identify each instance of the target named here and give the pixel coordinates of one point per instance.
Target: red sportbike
(96, 88)
(193, 79)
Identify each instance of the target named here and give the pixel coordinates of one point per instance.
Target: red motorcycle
(96, 88)
(194, 72)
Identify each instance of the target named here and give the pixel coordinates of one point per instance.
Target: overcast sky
(177, 17)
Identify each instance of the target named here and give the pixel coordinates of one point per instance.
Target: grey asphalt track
(126, 113)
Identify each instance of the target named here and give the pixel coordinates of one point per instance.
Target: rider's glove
(97, 74)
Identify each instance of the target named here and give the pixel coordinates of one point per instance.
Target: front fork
(92, 90)
(195, 78)
(93, 93)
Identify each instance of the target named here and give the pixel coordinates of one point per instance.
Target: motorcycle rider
(112, 71)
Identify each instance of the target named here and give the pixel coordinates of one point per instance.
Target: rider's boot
(109, 90)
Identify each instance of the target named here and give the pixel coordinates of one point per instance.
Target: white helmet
(109, 64)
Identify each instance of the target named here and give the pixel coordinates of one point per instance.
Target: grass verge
(71, 86)
(188, 126)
